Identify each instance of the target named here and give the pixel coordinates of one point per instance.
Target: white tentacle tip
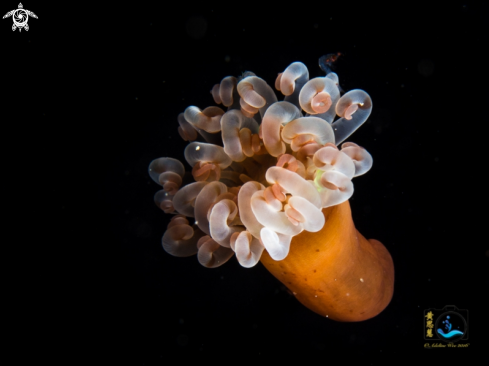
(276, 245)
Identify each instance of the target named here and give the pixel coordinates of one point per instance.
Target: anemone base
(336, 272)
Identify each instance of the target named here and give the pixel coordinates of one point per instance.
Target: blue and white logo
(450, 326)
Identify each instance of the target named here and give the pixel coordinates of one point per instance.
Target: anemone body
(273, 184)
(336, 272)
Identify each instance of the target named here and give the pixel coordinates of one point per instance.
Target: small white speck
(327, 316)
(196, 222)
(295, 293)
(361, 279)
(315, 295)
(197, 148)
(347, 294)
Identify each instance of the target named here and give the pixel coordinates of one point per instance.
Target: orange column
(336, 272)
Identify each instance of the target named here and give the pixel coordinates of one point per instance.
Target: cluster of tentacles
(267, 168)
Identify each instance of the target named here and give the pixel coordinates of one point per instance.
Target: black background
(91, 96)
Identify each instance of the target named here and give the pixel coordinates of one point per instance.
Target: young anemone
(272, 183)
